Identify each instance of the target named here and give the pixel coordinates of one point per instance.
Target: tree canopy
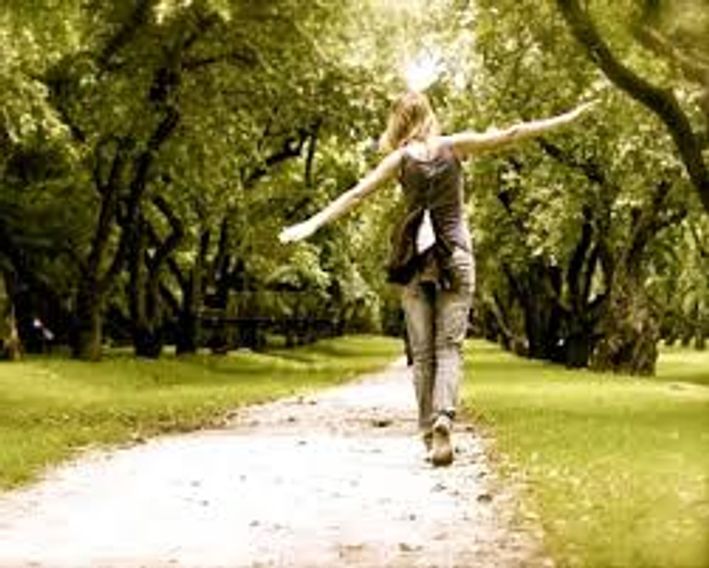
(151, 150)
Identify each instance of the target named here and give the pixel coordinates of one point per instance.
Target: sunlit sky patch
(423, 70)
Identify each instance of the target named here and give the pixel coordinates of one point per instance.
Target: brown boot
(427, 438)
(441, 449)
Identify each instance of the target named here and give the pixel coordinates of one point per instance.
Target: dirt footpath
(336, 479)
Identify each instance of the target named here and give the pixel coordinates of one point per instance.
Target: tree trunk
(498, 325)
(687, 334)
(86, 332)
(88, 323)
(577, 351)
(629, 330)
(670, 334)
(290, 336)
(221, 278)
(700, 340)
(148, 342)
(188, 321)
(12, 346)
(189, 324)
(145, 305)
(541, 327)
(187, 338)
(539, 300)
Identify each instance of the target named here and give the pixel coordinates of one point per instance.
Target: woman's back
(431, 177)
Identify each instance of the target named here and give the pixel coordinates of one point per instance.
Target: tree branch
(575, 271)
(653, 40)
(310, 155)
(703, 250)
(495, 305)
(172, 241)
(176, 272)
(169, 298)
(126, 32)
(589, 168)
(660, 101)
(248, 58)
(649, 222)
(504, 196)
(137, 187)
(292, 148)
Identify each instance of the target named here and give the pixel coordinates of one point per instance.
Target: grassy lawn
(617, 468)
(51, 406)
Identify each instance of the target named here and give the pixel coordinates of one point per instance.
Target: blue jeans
(436, 323)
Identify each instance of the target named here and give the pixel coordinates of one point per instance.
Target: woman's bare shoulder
(425, 149)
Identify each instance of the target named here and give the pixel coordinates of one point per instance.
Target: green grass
(683, 364)
(51, 406)
(617, 468)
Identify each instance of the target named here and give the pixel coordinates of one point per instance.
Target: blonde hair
(411, 118)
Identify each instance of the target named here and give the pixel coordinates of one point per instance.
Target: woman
(432, 253)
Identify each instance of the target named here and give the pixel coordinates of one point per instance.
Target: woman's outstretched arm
(386, 170)
(466, 144)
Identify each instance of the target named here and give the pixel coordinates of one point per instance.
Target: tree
(663, 102)
(569, 223)
(152, 150)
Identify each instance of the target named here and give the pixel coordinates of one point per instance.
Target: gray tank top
(436, 184)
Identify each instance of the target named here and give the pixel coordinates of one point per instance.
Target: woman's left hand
(582, 109)
(297, 232)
